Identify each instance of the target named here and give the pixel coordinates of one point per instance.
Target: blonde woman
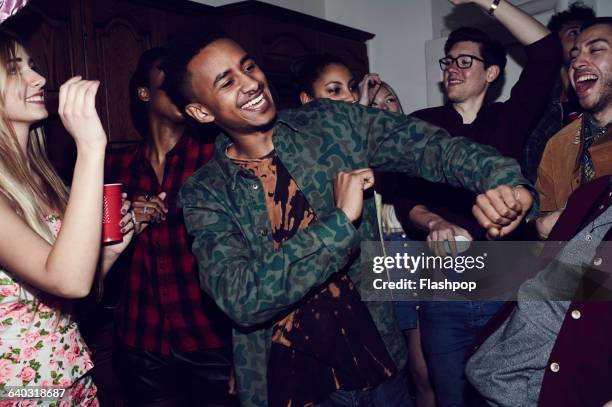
(49, 240)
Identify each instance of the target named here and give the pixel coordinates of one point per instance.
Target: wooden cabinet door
(117, 32)
(55, 42)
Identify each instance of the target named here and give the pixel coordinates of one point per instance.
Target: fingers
(505, 202)
(126, 223)
(494, 207)
(436, 239)
(147, 212)
(500, 210)
(64, 89)
(125, 205)
(363, 176)
(159, 203)
(348, 190)
(77, 109)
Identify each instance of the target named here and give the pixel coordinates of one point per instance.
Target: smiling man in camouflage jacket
(278, 215)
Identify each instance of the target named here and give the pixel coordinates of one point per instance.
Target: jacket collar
(223, 141)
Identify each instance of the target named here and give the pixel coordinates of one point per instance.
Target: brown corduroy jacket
(559, 171)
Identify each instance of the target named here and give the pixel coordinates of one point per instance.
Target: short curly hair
(576, 12)
(179, 53)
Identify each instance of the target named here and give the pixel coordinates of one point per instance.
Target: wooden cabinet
(104, 39)
(277, 37)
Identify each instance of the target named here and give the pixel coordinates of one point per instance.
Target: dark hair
(576, 12)
(308, 69)
(597, 21)
(140, 79)
(179, 52)
(491, 50)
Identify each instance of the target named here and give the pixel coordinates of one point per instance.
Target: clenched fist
(348, 191)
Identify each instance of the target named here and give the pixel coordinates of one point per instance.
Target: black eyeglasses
(463, 61)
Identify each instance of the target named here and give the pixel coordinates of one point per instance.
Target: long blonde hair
(28, 179)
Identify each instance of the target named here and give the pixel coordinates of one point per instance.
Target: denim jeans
(391, 393)
(448, 329)
(405, 311)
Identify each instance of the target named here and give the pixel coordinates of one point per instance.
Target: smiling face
(336, 82)
(228, 88)
(461, 85)
(590, 69)
(386, 100)
(24, 100)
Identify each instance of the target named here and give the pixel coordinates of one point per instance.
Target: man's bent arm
(253, 288)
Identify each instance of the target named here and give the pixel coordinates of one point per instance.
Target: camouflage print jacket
(225, 211)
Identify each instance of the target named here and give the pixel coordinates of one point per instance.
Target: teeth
(37, 98)
(252, 102)
(584, 78)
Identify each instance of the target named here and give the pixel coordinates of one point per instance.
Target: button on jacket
(256, 285)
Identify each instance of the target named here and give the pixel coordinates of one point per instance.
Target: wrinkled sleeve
(254, 288)
(394, 142)
(530, 94)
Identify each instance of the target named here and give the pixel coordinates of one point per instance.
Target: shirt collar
(223, 141)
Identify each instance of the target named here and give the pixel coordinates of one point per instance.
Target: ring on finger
(134, 221)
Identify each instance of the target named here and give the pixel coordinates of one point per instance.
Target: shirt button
(263, 232)
(555, 367)
(255, 186)
(403, 235)
(588, 237)
(597, 261)
(576, 314)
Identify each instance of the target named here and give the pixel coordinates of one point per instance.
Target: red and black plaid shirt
(161, 304)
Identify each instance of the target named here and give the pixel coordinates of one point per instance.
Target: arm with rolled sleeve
(253, 289)
(401, 143)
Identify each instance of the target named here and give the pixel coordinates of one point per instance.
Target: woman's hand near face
(77, 109)
(368, 87)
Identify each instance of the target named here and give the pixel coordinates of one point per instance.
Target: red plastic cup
(111, 231)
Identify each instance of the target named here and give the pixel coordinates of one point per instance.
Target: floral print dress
(41, 348)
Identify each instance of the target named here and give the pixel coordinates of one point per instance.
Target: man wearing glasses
(472, 63)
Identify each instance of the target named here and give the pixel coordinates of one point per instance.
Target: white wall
(604, 8)
(397, 52)
(313, 7)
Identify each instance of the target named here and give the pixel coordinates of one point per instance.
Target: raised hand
(348, 191)
(368, 88)
(500, 210)
(77, 109)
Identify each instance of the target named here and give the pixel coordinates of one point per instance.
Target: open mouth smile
(37, 98)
